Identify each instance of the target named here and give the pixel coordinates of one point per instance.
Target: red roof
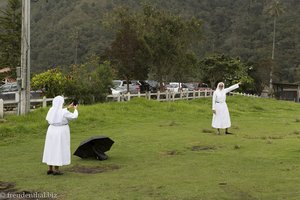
(4, 70)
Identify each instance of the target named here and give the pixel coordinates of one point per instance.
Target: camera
(75, 102)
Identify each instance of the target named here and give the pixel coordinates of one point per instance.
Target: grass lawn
(164, 151)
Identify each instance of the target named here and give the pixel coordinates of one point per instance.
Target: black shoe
(228, 133)
(49, 172)
(57, 173)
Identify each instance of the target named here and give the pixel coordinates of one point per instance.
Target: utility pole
(24, 87)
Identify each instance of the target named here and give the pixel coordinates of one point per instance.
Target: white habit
(57, 143)
(222, 118)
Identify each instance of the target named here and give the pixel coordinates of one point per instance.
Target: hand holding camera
(74, 104)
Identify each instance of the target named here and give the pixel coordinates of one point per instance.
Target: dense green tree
(10, 36)
(129, 52)
(157, 39)
(297, 72)
(186, 70)
(261, 74)
(89, 82)
(217, 68)
(238, 28)
(169, 38)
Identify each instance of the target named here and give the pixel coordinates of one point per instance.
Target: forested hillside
(2, 4)
(66, 32)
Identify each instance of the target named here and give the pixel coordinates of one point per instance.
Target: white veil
(55, 114)
(218, 89)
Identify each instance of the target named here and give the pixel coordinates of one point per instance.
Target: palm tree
(275, 9)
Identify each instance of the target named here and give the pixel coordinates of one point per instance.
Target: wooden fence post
(1, 109)
(149, 95)
(128, 96)
(44, 102)
(158, 95)
(167, 95)
(17, 97)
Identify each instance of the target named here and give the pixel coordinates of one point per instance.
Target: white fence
(163, 96)
(159, 96)
(12, 105)
(244, 94)
(172, 96)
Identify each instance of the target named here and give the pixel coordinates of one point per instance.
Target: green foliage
(153, 41)
(53, 82)
(65, 32)
(128, 52)
(10, 36)
(261, 74)
(89, 82)
(275, 9)
(169, 38)
(103, 80)
(186, 68)
(224, 68)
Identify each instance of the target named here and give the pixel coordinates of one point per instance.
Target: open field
(164, 150)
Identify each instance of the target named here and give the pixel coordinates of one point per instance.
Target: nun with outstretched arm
(57, 144)
(221, 117)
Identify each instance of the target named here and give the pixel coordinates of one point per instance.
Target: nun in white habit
(57, 143)
(221, 117)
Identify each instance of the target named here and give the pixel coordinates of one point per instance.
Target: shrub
(52, 82)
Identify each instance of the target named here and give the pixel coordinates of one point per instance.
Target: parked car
(191, 86)
(116, 92)
(203, 86)
(153, 85)
(9, 87)
(176, 87)
(195, 86)
(120, 83)
(120, 86)
(11, 96)
(144, 86)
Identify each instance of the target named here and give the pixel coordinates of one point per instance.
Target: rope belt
(58, 124)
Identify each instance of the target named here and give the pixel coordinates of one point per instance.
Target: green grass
(165, 151)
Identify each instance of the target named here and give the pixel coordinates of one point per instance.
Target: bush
(52, 82)
(90, 82)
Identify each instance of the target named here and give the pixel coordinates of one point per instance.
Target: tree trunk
(273, 52)
(274, 36)
(127, 80)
